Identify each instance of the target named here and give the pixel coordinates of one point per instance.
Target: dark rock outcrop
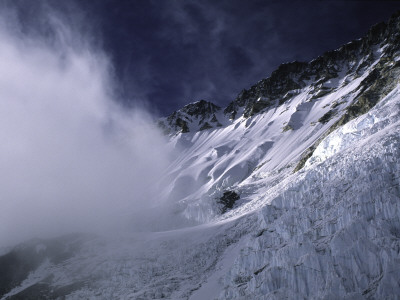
(227, 200)
(200, 114)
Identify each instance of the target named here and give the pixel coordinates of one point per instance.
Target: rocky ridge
(290, 78)
(195, 116)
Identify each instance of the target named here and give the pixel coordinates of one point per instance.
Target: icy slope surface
(262, 148)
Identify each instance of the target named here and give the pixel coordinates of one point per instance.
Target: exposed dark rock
(200, 108)
(205, 126)
(281, 81)
(336, 104)
(227, 200)
(214, 119)
(259, 270)
(320, 93)
(200, 112)
(182, 124)
(287, 127)
(256, 107)
(327, 116)
(16, 265)
(305, 156)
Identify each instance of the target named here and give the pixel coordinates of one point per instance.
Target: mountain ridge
(288, 77)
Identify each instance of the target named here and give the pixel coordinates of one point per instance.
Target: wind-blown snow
(71, 158)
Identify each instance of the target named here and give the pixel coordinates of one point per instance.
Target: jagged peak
(195, 116)
(394, 17)
(200, 107)
(292, 67)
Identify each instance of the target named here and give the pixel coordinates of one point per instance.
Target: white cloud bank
(70, 158)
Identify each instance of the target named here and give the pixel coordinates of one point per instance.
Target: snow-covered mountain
(290, 192)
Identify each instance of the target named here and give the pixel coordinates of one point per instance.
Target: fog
(71, 159)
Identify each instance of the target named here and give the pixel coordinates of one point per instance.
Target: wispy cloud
(71, 159)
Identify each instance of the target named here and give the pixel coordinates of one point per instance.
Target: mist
(71, 158)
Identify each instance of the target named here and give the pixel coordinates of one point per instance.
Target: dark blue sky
(169, 53)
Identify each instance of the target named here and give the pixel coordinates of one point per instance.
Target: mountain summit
(292, 191)
(195, 116)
